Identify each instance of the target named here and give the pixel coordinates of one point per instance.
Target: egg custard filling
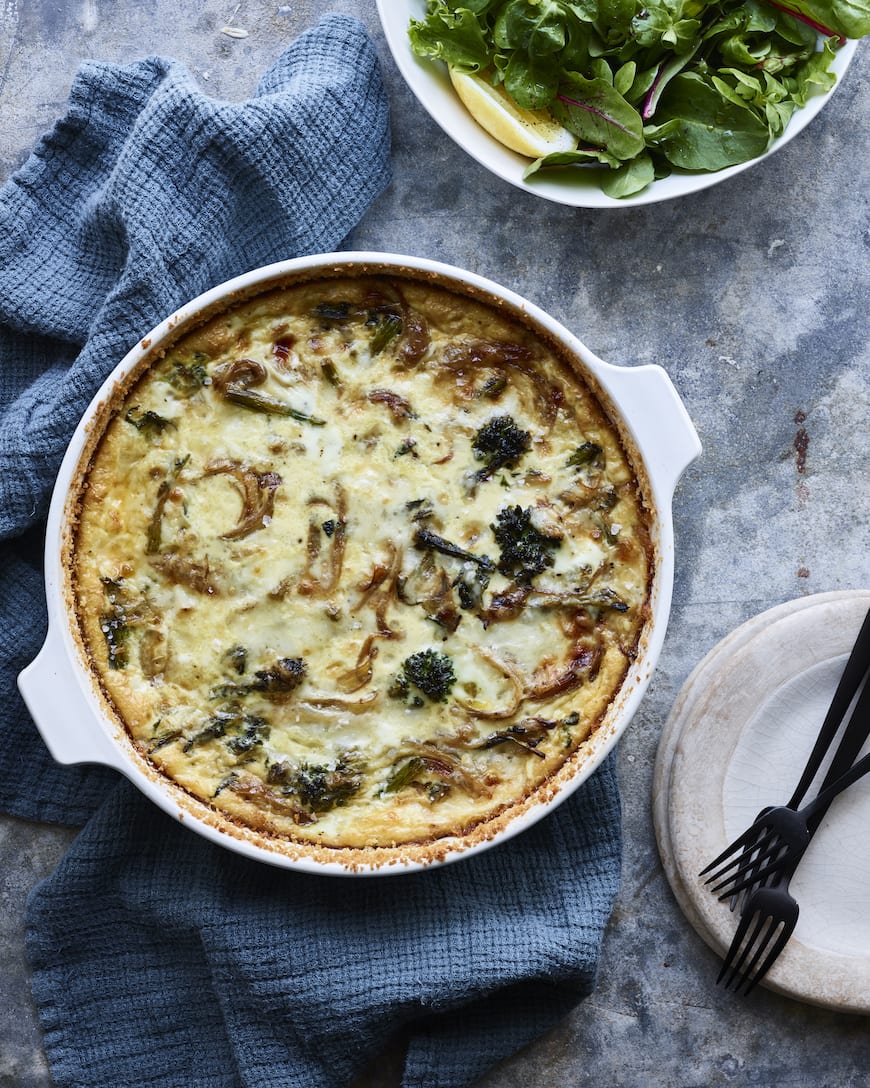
(360, 562)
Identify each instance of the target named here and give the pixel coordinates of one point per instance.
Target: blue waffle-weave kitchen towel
(160, 959)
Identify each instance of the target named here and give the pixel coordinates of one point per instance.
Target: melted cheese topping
(360, 562)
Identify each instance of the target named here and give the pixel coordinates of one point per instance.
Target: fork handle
(853, 739)
(857, 730)
(817, 808)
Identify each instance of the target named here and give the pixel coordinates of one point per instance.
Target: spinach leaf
(614, 19)
(530, 81)
(584, 157)
(632, 177)
(663, 24)
(624, 77)
(701, 130)
(534, 26)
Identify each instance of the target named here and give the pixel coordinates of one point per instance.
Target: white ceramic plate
(737, 740)
(430, 83)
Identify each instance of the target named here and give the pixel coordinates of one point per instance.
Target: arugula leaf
(456, 37)
(815, 76)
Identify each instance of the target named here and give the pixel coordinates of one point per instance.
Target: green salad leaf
(847, 18)
(595, 111)
(457, 37)
(701, 130)
(648, 87)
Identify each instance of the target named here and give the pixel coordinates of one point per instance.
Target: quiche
(359, 562)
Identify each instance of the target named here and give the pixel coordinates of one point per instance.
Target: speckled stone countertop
(754, 296)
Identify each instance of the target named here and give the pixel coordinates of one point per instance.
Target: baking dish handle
(658, 420)
(60, 710)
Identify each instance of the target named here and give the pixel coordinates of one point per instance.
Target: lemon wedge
(532, 133)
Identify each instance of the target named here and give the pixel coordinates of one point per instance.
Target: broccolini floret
(429, 672)
(318, 787)
(525, 551)
(499, 442)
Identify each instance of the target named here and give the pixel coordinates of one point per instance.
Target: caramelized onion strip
(257, 490)
(550, 680)
(335, 702)
(379, 590)
(309, 585)
(257, 793)
(511, 673)
(353, 679)
(506, 355)
(445, 766)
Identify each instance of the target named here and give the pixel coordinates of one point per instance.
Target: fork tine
(749, 860)
(758, 876)
(737, 950)
(737, 852)
(769, 929)
(733, 848)
(772, 955)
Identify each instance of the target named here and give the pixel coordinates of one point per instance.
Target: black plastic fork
(770, 912)
(758, 853)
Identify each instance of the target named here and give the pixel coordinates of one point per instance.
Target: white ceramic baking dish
(77, 723)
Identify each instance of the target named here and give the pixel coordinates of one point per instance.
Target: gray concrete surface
(755, 296)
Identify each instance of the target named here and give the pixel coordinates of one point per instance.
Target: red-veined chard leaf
(849, 18)
(665, 74)
(598, 114)
(643, 81)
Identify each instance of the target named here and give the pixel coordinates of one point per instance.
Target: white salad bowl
(575, 187)
(79, 725)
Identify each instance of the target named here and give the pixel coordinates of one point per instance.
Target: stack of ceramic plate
(736, 741)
